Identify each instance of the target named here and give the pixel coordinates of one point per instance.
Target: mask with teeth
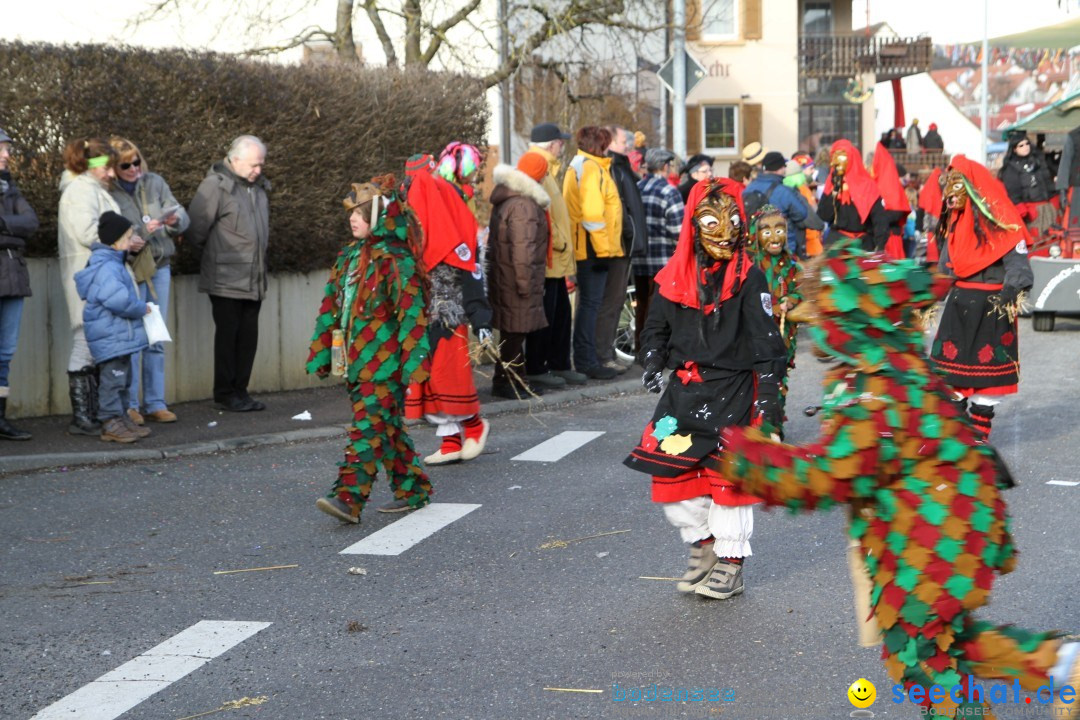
(771, 234)
(718, 225)
(839, 162)
(954, 192)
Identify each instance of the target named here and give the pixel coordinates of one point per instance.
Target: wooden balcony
(843, 56)
(926, 160)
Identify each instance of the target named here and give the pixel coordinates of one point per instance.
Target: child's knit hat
(111, 227)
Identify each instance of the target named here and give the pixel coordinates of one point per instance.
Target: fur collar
(517, 181)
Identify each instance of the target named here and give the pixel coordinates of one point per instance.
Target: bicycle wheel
(624, 332)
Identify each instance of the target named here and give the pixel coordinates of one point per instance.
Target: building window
(822, 125)
(817, 17)
(718, 20)
(721, 128)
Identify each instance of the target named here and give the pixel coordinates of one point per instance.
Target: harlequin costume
(448, 398)
(851, 202)
(710, 319)
(925, 501)
(376, 297)
(984, 245)
(782, 272)
(893, 199)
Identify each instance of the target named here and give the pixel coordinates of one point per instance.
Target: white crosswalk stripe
(116, 692)
(1066, 483)
(398, 537)
(558, 447)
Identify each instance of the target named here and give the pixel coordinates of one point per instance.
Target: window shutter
(693, 130)
(693, 20)
(752, 19)
(751, 123)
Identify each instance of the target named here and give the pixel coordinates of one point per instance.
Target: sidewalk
(203, 429)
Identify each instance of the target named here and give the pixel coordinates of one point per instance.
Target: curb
(549, 401)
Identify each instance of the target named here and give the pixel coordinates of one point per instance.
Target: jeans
(591, 281)
(113, 379)
(236, 336)
(151, 381)
(549, 348)
(611, 307)
(10, 317)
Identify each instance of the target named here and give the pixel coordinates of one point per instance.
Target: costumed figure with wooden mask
(851, 202)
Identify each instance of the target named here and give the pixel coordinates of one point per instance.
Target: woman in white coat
(84, 196)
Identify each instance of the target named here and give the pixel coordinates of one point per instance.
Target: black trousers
(510, 352)
(549, 348)
(236, 336)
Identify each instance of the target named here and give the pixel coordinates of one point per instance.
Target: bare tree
(428, 32)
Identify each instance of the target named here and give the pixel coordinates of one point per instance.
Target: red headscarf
(861, 189)
(448, 224)
(888, 181)
(967, 253)
(679, 280)
(930, 194)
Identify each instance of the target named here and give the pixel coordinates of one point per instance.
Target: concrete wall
(38, 372)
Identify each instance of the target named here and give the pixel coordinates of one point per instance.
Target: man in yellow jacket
(592, 200)
(547, 351)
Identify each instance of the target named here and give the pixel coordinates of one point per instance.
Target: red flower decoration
(690, 374)
(986, 354)
(648, 442)
(1007, 338)
(948, 349)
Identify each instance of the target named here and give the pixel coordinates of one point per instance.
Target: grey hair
(614, 129)
(657, 158)
(242, 142)
(546, 145)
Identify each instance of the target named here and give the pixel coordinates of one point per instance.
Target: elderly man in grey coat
(230, 228)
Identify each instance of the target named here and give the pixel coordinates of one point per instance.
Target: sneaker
(448, 452)
(546, 381)
(571, 377)
(724, 581)
(475, 439)
(402, 505)
(114, 430)
(161, 416)
(618, 367)
(135, 416)
(600, 372)
(702, 561)
(138, 430)
(340, 509)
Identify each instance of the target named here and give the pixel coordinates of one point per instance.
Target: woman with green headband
(84, 197)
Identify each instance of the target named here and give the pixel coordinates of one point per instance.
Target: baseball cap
(4, 137)
(546, 132)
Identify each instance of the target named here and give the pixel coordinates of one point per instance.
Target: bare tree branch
(372, 10)
(438, 32)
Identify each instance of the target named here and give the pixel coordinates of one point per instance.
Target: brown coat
(517, 251)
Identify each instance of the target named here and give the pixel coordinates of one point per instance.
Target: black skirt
(975, 348)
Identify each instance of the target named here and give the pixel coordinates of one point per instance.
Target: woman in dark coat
(518, 253)
(1027, 180)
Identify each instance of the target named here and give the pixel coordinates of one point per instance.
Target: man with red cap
(851, 203)
(711, 320)
(984, 244)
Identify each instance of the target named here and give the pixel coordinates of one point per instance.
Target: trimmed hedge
(325, 127)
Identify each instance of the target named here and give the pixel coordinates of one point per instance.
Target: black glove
(653, 378)
(1007, 296)
(769, 407)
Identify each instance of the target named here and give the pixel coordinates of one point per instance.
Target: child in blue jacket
(112, 320)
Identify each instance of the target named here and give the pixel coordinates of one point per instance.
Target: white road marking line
(116, 692)
(560, 446)
(400, 536)
(1066, 483)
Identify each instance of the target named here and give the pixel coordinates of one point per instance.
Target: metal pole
(986, 79)
(504, 86)
(678, 80)
(663, 142)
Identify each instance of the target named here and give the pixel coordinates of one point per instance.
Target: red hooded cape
(930, 194)
(448, 224)
(678, 281)
(966, 255)
(888, 180)
(861, 189)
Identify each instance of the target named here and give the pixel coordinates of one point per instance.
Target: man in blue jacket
(112, 320)
(768, 189)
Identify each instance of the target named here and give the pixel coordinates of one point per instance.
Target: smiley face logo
(862, 693)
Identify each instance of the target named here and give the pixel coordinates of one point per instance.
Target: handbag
(156, 330)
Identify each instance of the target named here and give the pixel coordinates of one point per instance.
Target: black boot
(7, 430)
(82, 412)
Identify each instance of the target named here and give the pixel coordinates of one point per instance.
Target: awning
(1061, 117)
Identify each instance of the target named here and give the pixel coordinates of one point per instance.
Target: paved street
(478, 616)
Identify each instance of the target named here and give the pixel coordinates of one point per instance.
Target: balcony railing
(925, 160)
(843, 56)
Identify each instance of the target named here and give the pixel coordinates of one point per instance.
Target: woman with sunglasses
(145, 199)
(1029, 184)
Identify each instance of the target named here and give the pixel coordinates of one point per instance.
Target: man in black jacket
(17, 223)
(634, 240)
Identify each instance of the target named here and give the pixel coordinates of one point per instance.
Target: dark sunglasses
(134, 163)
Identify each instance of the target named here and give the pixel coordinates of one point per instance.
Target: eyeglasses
(134, 163)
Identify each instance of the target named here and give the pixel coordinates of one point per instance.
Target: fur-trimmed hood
(510, 181)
